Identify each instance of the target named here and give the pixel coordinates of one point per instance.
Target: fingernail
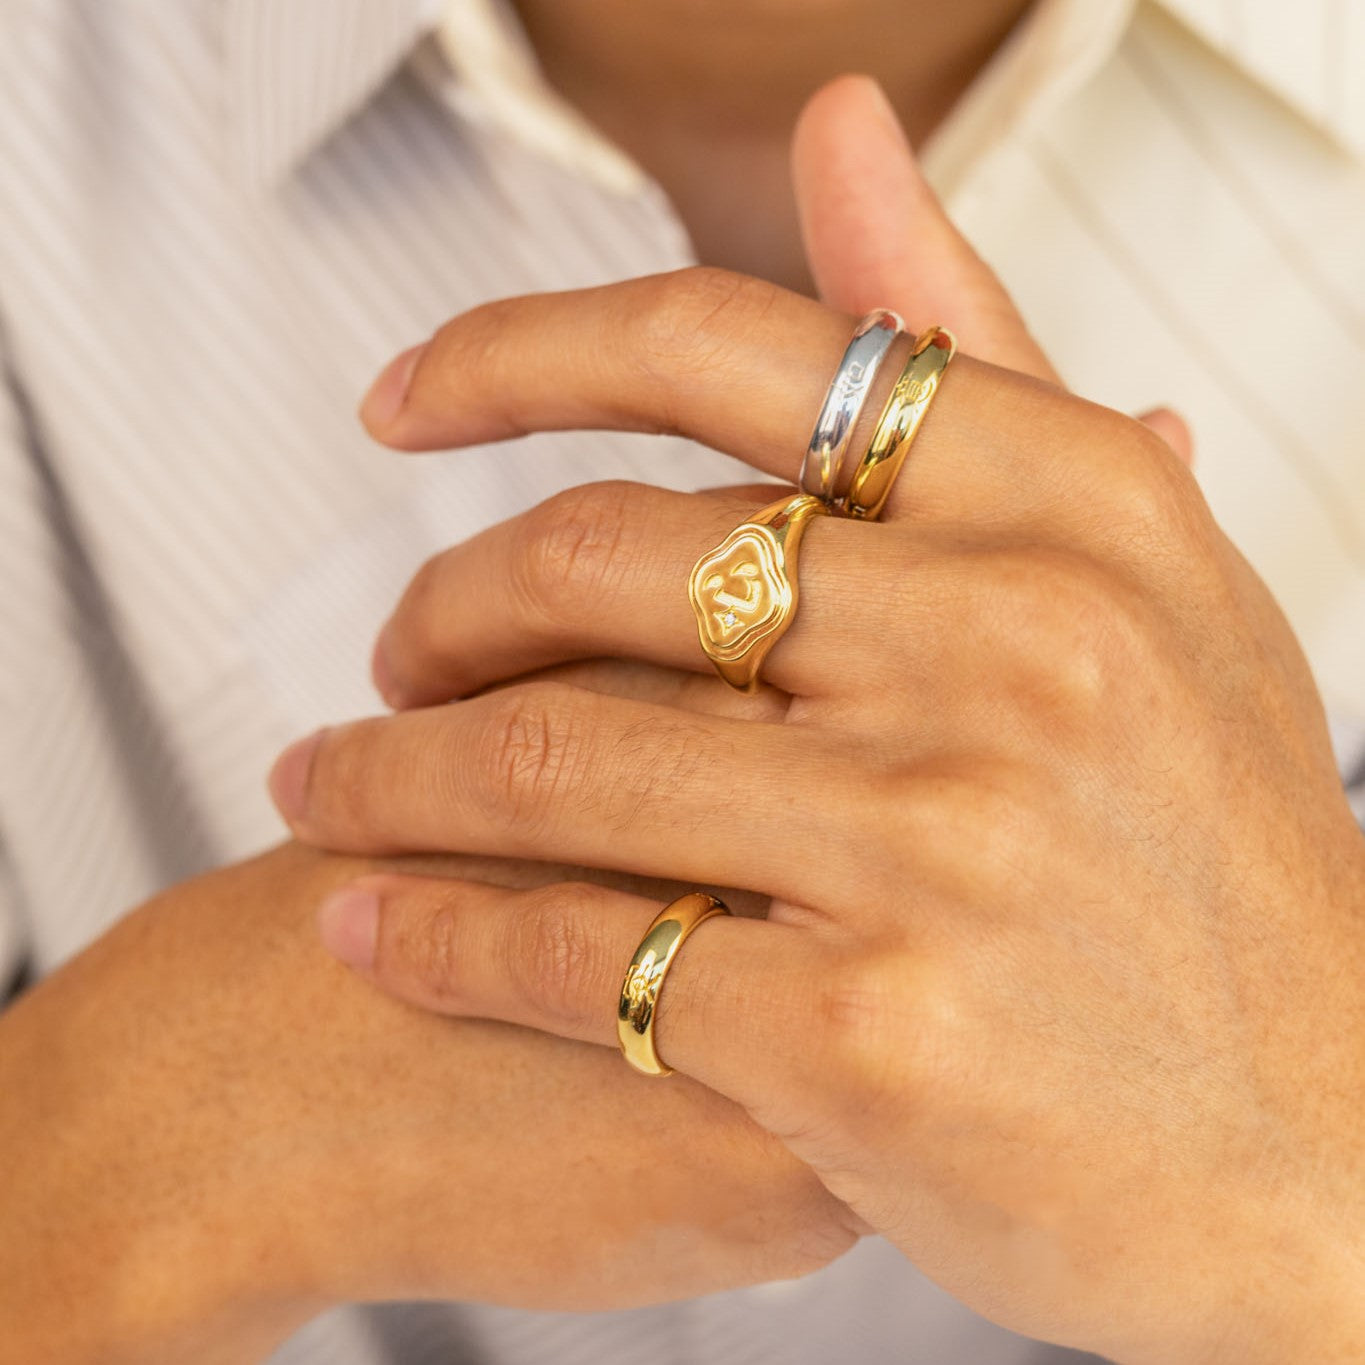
(348, 923)
(390, 391)
(289, 777)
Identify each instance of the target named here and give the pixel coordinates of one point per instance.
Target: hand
(1061, 985)
(210, 1132)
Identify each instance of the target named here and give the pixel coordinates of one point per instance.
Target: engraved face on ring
(739, 591)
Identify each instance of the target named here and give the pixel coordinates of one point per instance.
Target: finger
(740, 365)
(701, 693)
(602, 570)
(638, 355)
(1173, 429)
(598, 572)
(877, 237)
(730, 1012)
(757, 493)
(525, 875)
(558, 774)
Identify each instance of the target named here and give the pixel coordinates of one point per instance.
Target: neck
(704, 93)
(748, 65)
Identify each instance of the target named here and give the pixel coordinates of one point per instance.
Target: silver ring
(847, 393)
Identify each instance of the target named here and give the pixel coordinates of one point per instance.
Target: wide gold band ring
(744, 591)
(901, 420)
(645, 977)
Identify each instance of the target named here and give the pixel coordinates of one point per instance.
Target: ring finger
(553, 959)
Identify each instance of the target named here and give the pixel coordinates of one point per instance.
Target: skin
(703, 94)
(1059, 989)
(242, 1210)
(237, 1133)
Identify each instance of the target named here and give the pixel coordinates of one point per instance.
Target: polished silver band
(844, 401)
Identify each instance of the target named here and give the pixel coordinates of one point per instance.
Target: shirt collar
(298, 70)
(1050, 55)
(496, 80)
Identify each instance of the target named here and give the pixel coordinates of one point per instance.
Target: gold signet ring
(645, 977)
(744, 591)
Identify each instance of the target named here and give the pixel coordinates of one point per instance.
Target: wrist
(126, 1236)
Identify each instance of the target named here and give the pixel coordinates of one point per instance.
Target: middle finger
(602, 570)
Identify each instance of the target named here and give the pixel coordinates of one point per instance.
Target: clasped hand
(1060, 988)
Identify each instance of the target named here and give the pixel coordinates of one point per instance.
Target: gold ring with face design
(744, 591)
(901, 420)
(645, 977)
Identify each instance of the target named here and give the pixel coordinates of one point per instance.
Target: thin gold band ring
(900, 422)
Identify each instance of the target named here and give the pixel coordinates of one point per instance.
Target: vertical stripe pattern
(221, 216)
(1311, 55)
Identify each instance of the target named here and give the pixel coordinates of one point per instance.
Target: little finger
(733, 1009)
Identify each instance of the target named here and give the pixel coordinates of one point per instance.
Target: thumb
(877, 237)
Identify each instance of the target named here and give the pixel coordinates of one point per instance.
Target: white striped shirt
(219, 217)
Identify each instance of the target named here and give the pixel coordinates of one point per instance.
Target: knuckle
(1150, 501)
(932, 1069)
(566, 551)
(557, 957)
(429, 950)
(1077, 632)
(999, 820)
(693, 316)
(528, 752)
(855, 1004)
(880, 995)
(852, 999)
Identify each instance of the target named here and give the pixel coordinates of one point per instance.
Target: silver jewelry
(844, 402)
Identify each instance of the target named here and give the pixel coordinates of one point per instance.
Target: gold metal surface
(644, 977)
(744, 591)
(901, 419)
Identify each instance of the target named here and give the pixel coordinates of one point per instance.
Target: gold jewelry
(744, 591)
(901, 419)
(645, 977)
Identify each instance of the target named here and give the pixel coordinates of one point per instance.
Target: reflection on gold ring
(744, 591)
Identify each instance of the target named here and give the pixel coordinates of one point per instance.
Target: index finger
(731, 361)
